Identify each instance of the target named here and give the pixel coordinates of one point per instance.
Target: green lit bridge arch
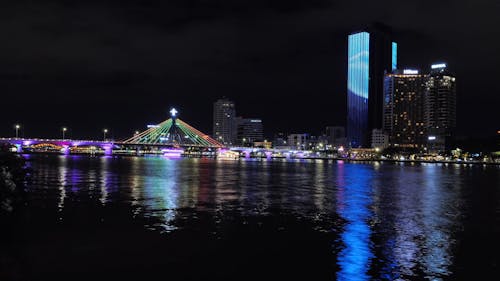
(173, 132)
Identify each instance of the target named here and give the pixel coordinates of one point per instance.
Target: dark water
(197, 219)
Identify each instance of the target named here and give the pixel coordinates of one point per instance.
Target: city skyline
(63, 82)
(249, 140)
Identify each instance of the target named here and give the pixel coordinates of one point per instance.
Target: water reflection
(105, 179)
(353, 201)
(63, 173)
(440, 217)
(392, 221)
(408, 231)
(161, 192)
(417, 220)
(135, 185)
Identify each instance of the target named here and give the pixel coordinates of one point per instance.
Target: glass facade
(394, 56)
(358, 76)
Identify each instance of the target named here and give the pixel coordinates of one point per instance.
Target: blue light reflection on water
(354, 199)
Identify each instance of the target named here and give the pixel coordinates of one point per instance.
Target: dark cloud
(89, 64)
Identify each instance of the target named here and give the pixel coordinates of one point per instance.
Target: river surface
(152, 218)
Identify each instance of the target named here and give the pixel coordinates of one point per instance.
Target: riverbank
(409, 161)
(349, 160)
(365, 160)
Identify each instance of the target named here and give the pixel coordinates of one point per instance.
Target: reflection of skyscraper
(353, 205)
(371, 53)
(224, 126)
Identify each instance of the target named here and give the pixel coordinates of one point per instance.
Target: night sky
(122, 64)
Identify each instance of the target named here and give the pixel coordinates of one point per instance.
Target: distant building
(371, 53)
(320, 143)
(403, 118)
(224, 122)
(280, 140)
(379, 139)
(298, 141)
(440, 107)
(335, 136)
(250, 130)
(263, 144)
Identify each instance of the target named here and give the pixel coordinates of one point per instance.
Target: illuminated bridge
(172, 137)
(173, 132)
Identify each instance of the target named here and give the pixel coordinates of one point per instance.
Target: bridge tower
(173, 132)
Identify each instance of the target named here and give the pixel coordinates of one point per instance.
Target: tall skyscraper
(371, 53)
(250, 130)
(404, 108)
(224, 122)
(440, 106)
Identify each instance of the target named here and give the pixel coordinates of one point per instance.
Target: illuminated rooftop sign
(438, 65)
(410, 71)
(153, 126)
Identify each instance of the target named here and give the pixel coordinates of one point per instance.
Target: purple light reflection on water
(108, 149)
(172, 153)
(65, 149)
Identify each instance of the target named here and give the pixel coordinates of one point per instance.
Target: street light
(17, 129)
(64, 129)
(105, 131)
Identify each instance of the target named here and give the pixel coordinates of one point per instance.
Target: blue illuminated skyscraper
(357, 87)
(371, 53)
(394, 60)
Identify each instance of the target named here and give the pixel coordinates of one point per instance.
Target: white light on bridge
(173, 112)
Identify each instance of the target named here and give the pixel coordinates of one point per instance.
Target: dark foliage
(12, 179)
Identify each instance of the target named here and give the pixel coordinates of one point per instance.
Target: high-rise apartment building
(371, 53)
(440, 106)
(403, 108)
(224, 122)
(250, 130)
